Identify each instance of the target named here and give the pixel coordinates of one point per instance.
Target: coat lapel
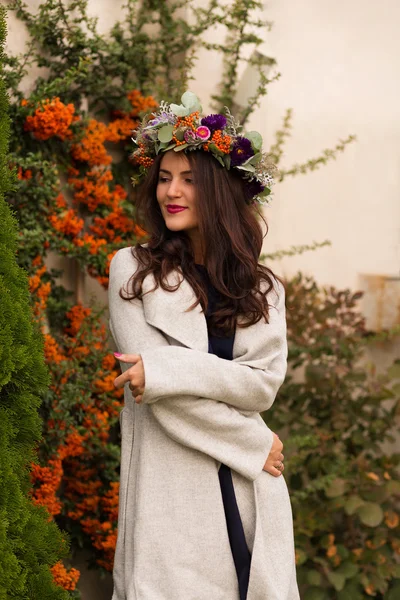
(166, 311)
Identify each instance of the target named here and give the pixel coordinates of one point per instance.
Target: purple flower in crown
(203, 133)
(163, 117)
(214, 122)
(241, 151)
(154, 122)
(254, 187)
(190, 136)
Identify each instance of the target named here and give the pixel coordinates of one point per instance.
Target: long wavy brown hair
(232, 238)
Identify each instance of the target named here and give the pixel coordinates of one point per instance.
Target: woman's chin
(177, 224)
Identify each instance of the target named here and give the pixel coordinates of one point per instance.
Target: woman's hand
(274, 463)
(135, 375)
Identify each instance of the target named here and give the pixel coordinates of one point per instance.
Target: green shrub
(29, 544)
(344, 488)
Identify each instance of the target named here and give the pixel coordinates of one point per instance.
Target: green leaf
(393, 487)
(342, 552)
(216, 151)
(379, 494)
(165, 133)
(314, 577)
(370, 514)
(253, 160)
(394, 592)
(396, 570)
(180, 148)
(350, 592)
(180, 134)
(337, 488)
(337, 580)
(249, 168)
(301, 556)
(348, 569)
(255, 138)
(191, 101)
(190, 104)
(167, 147)
(179, 110)
(352, 504)
(315, 593)
(394, 371)
(227, 161)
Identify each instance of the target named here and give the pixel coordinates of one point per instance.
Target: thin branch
(281, 135)
(294, 250)
(315, 163)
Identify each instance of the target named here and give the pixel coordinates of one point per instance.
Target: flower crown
(179, 127)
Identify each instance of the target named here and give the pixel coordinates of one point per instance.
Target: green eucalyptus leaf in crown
(180, 127)
(190, 104)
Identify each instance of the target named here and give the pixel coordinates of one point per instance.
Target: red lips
(175, 208)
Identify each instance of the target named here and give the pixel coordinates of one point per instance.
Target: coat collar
(168, 311)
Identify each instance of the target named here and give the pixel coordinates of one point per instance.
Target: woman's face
(176, 189)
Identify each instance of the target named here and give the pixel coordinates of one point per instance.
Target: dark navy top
(223, 347)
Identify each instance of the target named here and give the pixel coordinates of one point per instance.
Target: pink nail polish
(117, 354)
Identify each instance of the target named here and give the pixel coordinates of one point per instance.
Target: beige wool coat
(198, 410)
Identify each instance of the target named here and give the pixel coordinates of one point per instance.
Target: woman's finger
(136, 391)
(275, 472)
(128, 358)
(121, 380)
(124, 378)
(272, 470)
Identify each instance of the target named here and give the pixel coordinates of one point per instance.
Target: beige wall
(339, 63)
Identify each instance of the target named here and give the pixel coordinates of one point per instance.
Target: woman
(204, 511)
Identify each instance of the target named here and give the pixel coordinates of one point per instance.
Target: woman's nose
(174, 189)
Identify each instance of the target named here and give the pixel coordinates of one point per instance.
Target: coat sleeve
(241, 441)
(247, 384)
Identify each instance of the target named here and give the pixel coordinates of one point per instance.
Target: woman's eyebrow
(181, 173)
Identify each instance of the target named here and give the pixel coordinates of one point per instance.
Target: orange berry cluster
(145, 161)
(223, 142)
(52, 118)
(63, 578)
(188, 121)
(178, 142)
(142, 159)
(140, 103)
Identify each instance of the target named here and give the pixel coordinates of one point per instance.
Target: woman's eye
(162, 180)
(189, 180)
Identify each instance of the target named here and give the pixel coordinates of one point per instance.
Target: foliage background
(70, 145)
(31, 547)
